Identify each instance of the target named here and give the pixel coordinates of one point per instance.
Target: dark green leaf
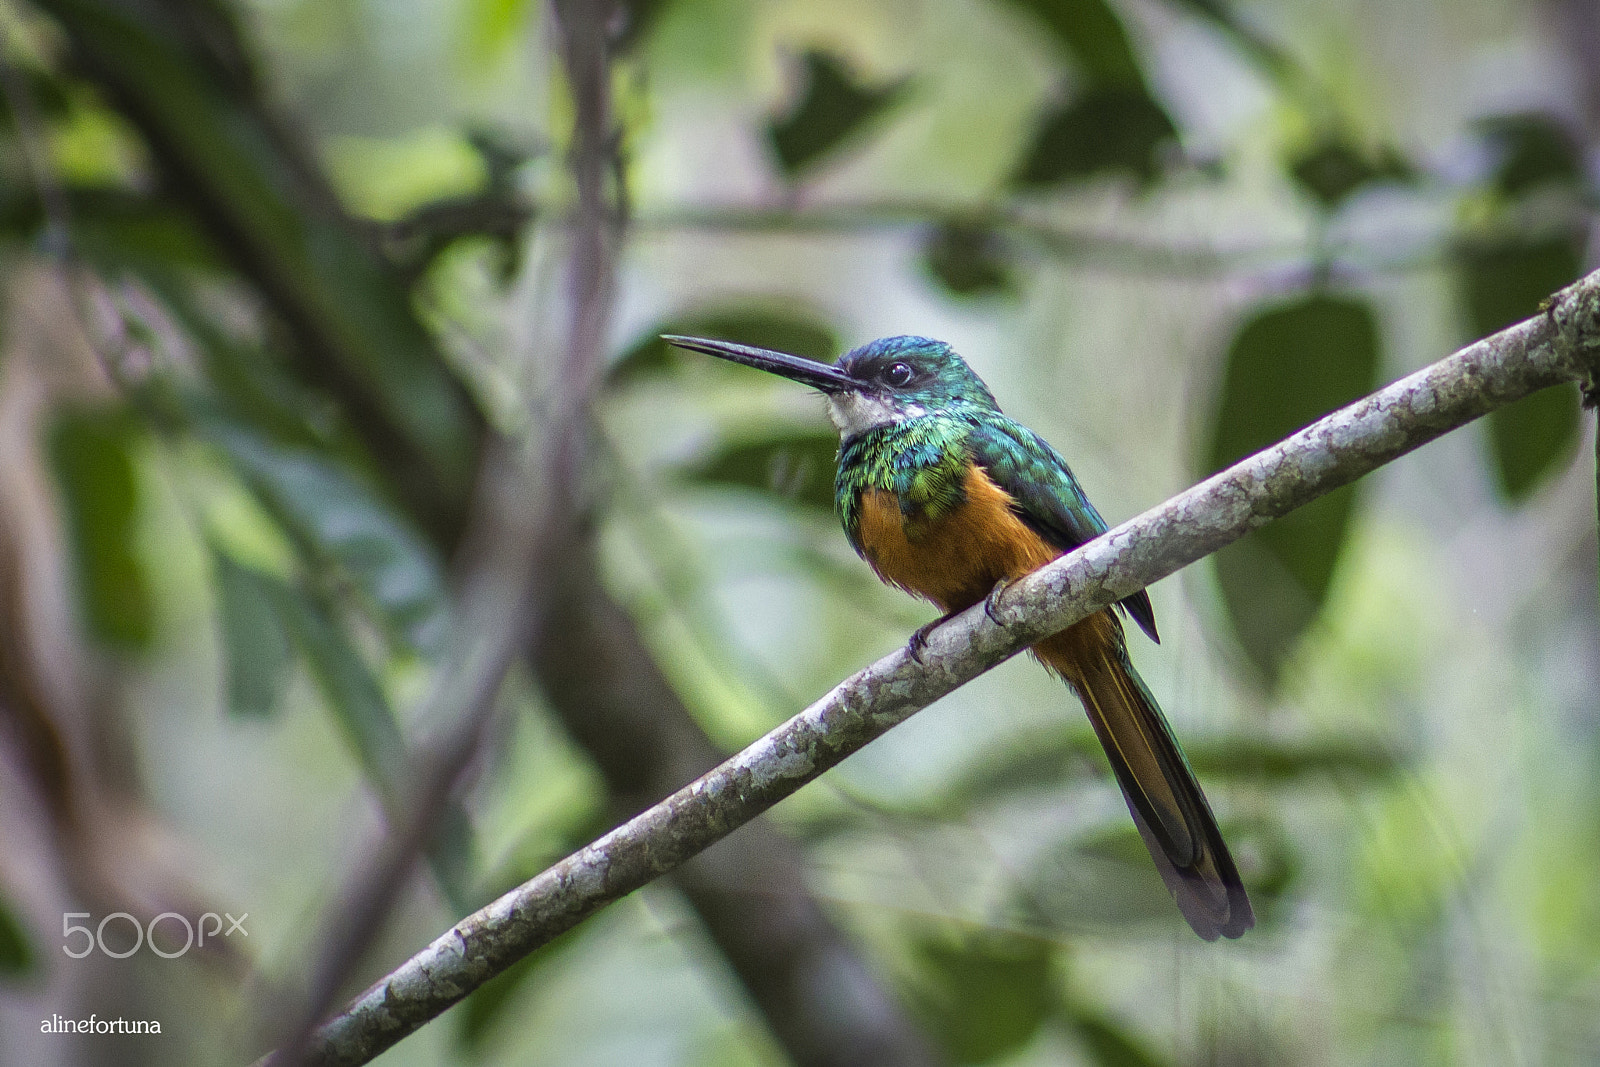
(984, 993)
(254, 641)
(1502, 283)
(799, 332)
(969, 259)
(1335, 168)
(1532, 438)
(1108, 1043)
(794, 465)
(92, 453)
(1092, 34)
(1287, 367)
(1105, 129)
(834, 106)
(16, 951)
(332, 516)
(1506, 281)
(1532, 149)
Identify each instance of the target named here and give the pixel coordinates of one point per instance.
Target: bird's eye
(898, 374)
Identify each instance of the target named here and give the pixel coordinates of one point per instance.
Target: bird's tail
(1167, 805)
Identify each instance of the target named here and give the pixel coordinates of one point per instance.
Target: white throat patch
(855, 413)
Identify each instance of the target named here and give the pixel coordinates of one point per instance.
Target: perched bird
(947, 498)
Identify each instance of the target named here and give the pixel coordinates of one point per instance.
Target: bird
(951, 500)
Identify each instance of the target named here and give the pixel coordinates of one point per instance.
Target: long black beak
(823, 376)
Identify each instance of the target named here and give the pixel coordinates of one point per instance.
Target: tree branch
(1562, 344)
(1091, 247)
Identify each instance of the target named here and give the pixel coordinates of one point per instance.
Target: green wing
(1048, 497)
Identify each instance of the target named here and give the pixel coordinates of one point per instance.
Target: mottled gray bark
(1554, 347)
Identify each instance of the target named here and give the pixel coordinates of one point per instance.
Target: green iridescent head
(888, 380)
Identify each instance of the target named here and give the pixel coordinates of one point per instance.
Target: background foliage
(274, 269)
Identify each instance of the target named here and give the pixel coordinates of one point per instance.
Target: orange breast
(957, 560)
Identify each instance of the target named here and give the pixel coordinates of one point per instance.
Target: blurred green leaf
(51, 95)
(1055, 756)
(489, 27)
(255, 642)
(17, 957)
(485, 1009)
(185, 78)
(251, 383)
(797, 331)
(1334, 168)
(1533, 438)
(363, 712)
(1287, 367)
(1085, 890)
(833, 107)
(347, 683)
(1532, 149)
(118, 231)
(794, 465)
(493, 218)
(1117, 841)
(1280, 763)
(1267, 54)
(1092, 35)
(1105, 129)
(1268, 861)
(1049, 757)
(1503, 282)
(1108, 1043)
(1098, 882)
(984, 993)
(1104, 879)
(335, 517)
(91, 451)
(969, 259)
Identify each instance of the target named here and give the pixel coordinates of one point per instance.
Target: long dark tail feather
(1165, 799)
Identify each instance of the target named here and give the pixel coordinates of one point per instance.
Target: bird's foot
(919, 640)
(991, 603)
